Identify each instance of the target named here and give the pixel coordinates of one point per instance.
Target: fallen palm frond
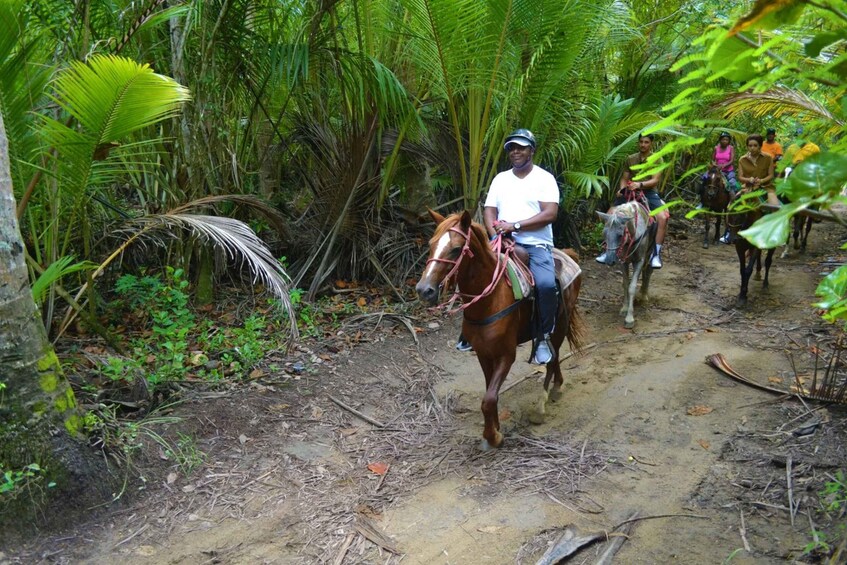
(825, 389)
(234, 237)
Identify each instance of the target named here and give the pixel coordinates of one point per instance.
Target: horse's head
(452, 236)
(613, 233)
(715, 183)
(624, 226)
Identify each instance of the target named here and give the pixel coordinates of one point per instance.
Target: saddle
(520, 277)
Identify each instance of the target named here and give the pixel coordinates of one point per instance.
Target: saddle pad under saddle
(518, 279)
(566, 271)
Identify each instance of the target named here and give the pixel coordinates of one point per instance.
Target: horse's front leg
(758, 275)
(717, 228)
(495, 373)
(629, 321)
(706, 222)
(746, 269)
(624, 310)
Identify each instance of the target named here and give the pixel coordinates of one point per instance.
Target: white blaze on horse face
(443, 242)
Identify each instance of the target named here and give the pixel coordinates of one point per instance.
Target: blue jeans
(544, 272)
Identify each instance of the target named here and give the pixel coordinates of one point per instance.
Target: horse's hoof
(796, 245)
(643, 299)
(740, 302)
(556, 393)
(623, 311)
(486, 445)
(757, 276)
(705, 245)
(629, 325)
(536, 417)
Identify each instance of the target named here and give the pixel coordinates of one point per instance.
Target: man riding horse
(524, 202)
(647, 189)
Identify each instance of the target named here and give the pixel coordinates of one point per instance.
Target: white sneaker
(699, 206)
(543, 354)
(656, 261)
(724, 238)
(601, 258)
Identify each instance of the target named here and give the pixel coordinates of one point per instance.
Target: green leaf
(732, 59)
(833, 293)
(771, 230)
(821, 173)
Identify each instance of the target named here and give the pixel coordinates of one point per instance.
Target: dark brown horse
(715, 197)
(802, 227)
(748, 254)
(494, 322)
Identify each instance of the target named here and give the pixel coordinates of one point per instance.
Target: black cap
(522, 137)
(724, 134)
(770, 131)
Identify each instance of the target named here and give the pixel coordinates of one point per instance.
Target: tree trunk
(40, 421)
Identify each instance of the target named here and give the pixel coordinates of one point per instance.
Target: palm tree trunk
(40, 421)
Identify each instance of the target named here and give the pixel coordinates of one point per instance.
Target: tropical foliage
(338, 121)
(782, 64)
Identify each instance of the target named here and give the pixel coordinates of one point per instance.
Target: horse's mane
(627, 210)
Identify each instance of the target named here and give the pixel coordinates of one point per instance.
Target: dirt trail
(287, 478)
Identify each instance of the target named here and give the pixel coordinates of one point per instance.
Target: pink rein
(497, 246)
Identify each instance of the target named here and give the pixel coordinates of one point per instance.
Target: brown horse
(494, 322)
(715, 197)
(748, 254)
(802, 226)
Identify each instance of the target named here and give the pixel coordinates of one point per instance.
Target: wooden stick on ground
(339, 559)
(355, 412)
(743, 531)
(791, 510)
(608, 556)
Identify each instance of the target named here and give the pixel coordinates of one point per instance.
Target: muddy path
(644, 425)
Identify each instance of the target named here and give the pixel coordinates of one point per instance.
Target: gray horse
(630, 239)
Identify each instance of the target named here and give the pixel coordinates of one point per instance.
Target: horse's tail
(574, 320)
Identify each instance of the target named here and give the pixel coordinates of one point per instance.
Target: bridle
(499, 271)
(629, 243)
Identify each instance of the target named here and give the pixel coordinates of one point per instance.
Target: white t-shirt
(518, 199)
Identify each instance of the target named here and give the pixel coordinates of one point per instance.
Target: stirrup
(543, 351)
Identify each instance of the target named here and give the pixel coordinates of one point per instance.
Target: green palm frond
(777, 102)
(24, 74)
(54, 272)
(113, 97)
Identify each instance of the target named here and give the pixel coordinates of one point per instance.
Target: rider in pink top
(723, 157)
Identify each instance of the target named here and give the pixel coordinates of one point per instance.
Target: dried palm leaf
(232, 236)
(827, 390)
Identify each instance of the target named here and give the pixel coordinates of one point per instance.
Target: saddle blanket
(519, 279)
